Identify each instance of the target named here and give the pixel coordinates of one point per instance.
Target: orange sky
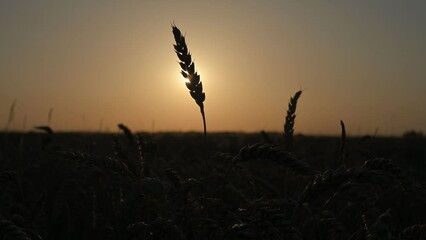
(113, 62)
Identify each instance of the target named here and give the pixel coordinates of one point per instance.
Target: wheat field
(194, 186)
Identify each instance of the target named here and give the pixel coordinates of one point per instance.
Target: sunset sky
(98, 63)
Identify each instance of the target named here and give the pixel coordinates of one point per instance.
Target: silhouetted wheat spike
(45, 129)
(271, 152)
(48, 137)
(127, 132)
(194, 83)
(290, 120)
(342, 143)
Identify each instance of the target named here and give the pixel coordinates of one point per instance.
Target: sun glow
(185, 80)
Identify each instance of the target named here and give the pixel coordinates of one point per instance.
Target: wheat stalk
(49, 117)
(342, 143)
(290, 120)
(11, 116)
(194, 84)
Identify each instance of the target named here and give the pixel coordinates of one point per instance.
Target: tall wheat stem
(194, 84)
(205, 126)
(290, 121)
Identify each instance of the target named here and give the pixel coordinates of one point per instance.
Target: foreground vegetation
(144, 186)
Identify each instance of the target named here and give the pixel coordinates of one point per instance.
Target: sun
(185, 80)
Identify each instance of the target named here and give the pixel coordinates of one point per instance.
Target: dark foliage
(156, 188)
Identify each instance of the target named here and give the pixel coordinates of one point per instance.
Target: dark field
(162, 186)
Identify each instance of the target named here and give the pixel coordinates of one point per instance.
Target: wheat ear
(194, 83)
(290, 120)
(342, 142)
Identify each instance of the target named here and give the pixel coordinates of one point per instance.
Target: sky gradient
(100, 63)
